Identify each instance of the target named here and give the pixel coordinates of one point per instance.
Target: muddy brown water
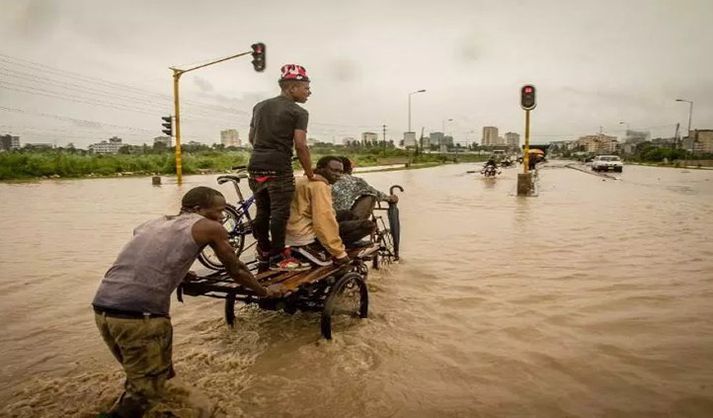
(592, 299)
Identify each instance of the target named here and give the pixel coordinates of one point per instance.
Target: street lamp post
(690, 112)
(409, 106)
(443, 126)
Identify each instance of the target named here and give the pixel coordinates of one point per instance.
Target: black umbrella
(394, 222)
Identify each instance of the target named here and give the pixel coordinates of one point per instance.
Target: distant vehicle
(490, 171)
(607, 162)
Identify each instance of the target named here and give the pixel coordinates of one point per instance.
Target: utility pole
(675, 136)
(384, 130)
(690, 112)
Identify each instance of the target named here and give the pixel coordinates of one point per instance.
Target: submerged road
(591, 299)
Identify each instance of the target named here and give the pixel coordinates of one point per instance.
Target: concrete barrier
(524, 184)
(694, 163)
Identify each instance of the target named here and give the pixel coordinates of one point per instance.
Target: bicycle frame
(243, 210)
(242, 207)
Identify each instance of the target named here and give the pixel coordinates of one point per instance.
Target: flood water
(594, 298)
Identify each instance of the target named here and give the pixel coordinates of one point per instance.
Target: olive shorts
(143, 347)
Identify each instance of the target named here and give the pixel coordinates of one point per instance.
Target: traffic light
(258, 56)
(527, 97)
(168, 125)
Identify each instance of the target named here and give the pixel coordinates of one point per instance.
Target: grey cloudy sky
(83, 70)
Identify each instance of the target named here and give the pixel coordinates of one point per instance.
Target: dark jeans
(272, 200)
(361, 209)
(364, 206)
(351, 231)
(355, 224)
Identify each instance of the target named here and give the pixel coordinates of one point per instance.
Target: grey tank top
(151, 266)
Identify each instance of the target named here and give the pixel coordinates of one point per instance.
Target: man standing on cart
(278, 125)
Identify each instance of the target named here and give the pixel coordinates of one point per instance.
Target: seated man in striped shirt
(313, 227)
(353, 197)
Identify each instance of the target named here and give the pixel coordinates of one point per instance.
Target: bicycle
(237, 220)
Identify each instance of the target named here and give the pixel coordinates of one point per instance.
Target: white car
(607, 162)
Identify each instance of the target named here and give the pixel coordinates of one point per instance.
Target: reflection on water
(591, 299)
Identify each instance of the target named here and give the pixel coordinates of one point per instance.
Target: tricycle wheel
(348, 298)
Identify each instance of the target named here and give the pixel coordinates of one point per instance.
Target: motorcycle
(490, 171)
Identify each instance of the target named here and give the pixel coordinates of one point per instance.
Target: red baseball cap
(293, 72)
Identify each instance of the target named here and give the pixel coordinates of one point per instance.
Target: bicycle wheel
(236, 236)
(386, 252)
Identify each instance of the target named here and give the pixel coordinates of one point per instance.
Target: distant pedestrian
(278, 125)
(132, 303)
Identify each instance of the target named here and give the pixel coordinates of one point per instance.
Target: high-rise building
(512, 140)
(702, 140)
(425, 142)
(369, 138)
(104, 147)
(9, 142)
(598, 144)
(435, 138)
(490, 136)
(409, 139)
(230, 138)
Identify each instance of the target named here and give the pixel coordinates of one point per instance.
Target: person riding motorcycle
(490, 168)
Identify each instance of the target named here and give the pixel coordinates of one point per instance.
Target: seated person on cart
(353, 197)
(313, 220)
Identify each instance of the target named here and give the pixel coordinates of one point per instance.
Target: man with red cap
(278, 125)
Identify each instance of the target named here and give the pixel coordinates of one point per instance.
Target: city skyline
(71, 72)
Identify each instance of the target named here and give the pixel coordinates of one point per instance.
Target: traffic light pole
(177, 127)
(527, 102)
(177, 73)
(526, 157)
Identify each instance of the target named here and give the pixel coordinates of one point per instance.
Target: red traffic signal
(258, 56)
(527, 97)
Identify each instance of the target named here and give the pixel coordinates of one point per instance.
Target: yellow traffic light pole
(177, 126)
(177, 73)
(526, 157)
(527, 102)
